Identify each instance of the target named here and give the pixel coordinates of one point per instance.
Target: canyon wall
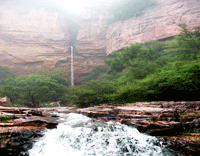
(157, 23)
(33, 39)
(90, 42)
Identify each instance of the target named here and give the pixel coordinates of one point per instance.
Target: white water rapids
(78, 135)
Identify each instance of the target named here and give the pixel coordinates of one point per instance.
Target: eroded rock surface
(158, 23)
(18, 143)
(19, 119)
(33, 39)
(21, 127)
(155, 118)
(174, 123)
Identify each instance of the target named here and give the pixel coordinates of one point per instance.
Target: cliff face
(35, 38)
(38, 39)
(31, 39)
(157, 23)
(91, 40)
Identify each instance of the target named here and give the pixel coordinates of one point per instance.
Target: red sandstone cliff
(31, 39)
(157, 23)
(34, 38)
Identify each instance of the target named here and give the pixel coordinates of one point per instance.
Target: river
(78, 135)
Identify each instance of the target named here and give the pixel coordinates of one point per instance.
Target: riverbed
(78, 135)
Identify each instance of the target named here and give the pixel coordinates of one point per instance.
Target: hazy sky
(73, 5)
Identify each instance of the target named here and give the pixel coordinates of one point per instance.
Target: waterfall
(78, 135)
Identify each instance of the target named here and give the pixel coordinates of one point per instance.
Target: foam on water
(78, 135)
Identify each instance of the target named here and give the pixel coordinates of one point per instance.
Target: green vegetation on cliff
(5, 74)
(149, 71)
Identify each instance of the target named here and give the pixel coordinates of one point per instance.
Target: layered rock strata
(159, 22)
(155, 118)
(20, 127)
(91, 39)
(14, 119)
(33, 39)
(174, 123)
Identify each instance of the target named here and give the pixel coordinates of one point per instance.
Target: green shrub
(95, 92)
(34, 89)
(6, 75)
(96, 72)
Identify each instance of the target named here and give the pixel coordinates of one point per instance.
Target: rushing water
(78, 135)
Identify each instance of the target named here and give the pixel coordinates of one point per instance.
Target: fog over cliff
(37, 35)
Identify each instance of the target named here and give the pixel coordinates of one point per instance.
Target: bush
(177, 81)
(96, 72)
(35, 89)
(6, 75)
(95, 92)
(38, 88)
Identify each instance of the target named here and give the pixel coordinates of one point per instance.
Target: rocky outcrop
(155, 118)
(20, 127)
(31, 39)
(91, 40)
(173, 123)
(14, 119)
(18, 143)
(157, 23)
(184, 143)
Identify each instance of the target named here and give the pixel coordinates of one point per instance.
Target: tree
(57, 74)
(5, 74)
(38, 88)
(97, 71)
(187, 45)
(95, 92)
(9, 91)
(121, 59)
(138, 60)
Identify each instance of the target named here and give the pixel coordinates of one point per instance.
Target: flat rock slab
(15, 119)
(141, 109)
(161, 116)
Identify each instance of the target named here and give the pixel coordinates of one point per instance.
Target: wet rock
(181, 144)
(155, 117)
(160, 118)
(36, 121)
(20, 119)
(19, 132)
(18, 143)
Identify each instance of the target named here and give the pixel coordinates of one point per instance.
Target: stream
(78, 135)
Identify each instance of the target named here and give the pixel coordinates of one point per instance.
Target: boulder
(5, 102)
